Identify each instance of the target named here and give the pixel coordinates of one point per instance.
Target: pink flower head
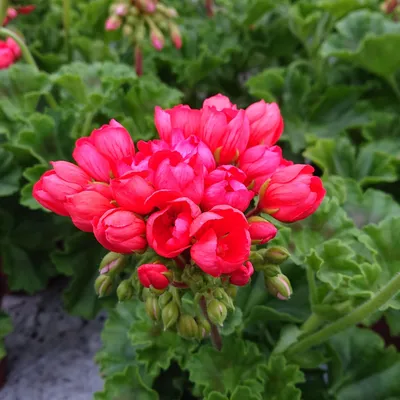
(222, 240)
(131, 192)
(168, 229)
(292, 193)
(86, 205)
(225, 185)
(242, 275)
(225, 131)
(102, 154)
(219, 102)
(13, 46)
(180, 117)
(11, 14)
(259, 163)
(120, 231)
(7, 57)
(266, 123)
(153, 275)
(113, 23)
(53, 187)
(261, 230)
(194, 147)
(172, 172)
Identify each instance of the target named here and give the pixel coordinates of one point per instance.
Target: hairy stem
(311, 324)
(28, 58)
(215, 335)
(356, 316)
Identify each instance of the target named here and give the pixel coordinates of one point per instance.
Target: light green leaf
(364, 368)
(239, 363)
(256, 10)
(126, 385)
(32, 174)
(281, 379)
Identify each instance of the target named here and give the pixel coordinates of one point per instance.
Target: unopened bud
(256, 258)
(147, 6)
(271, 270)
(217, 312)
(279, 286)
(157, 39)
(125, 290)
(113, 23)
(276, 255)
(127, 30)
(152, 308)
(175, 35)
(164, 299)
(170, 314)
(112, 263)
(231, 291)
(261, 231)
(221, 295)
(103, 285)
(204, 328)
(187, 327)
(121, 9)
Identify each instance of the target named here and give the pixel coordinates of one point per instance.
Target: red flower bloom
(153, 275)
(120, 231)
(225, 185)
(222, 240)
(168, 229)
(9, 52)
(242, 275)
(53, 187)
(266, 123)
(292, 193)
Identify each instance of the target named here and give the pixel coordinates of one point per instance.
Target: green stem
(87, 123)
(28, 58)
(3, 10)
(312, 285)
(311, 324)
(67, 24)
(356, 316)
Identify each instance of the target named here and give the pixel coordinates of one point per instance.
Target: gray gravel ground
(50, 353)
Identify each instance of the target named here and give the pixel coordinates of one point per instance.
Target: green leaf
(80, 259)
(117, 351)
(367, 39)
(281, 379)
(239, 363)
(5, 329)
(338, 157)
(156, 348)
(126, 385)
(10, 174)
(32, 174)
(369, 207)
(241, 392)
(340, 8)
(393, 320)
(257, 9)
(232, 322)
(364, 368)
(383, 241)
(267, 85)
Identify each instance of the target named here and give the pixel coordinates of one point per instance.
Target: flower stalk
(215, 335)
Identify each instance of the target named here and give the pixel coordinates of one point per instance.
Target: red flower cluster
(13, 13)
(9, 53)
(188, 192)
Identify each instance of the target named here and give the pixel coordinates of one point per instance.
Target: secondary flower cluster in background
(9, 53)
(192, 197)
(139, 18)
(13, 12)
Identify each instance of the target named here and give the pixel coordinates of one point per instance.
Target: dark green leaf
(10, 174)
(5, 329)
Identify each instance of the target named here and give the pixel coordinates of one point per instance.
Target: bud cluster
(391, 7)
(140, 17)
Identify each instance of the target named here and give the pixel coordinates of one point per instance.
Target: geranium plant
(243, 245)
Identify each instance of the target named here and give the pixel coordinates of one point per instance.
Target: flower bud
(204, 328)
(103, 285)
(257, 258)
(112, 263)
(164, 299)
(170, 314)
(271, 270)
(175, 35)
(113, 23)
(221, 295)
(148, 6)
(217, 312)
(121, 9)
(261, 230)
(127, 30)
(276, 255)
(187, 327)
(231, 291)
(125, 290)
(279, 286)
(152, 308)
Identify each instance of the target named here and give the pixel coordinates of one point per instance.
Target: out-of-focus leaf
(338, 157)
(10, 174)
(367, 39)
(32, 174)
(80, 259)
(5, 329)
(256, 9)
(364, 369)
